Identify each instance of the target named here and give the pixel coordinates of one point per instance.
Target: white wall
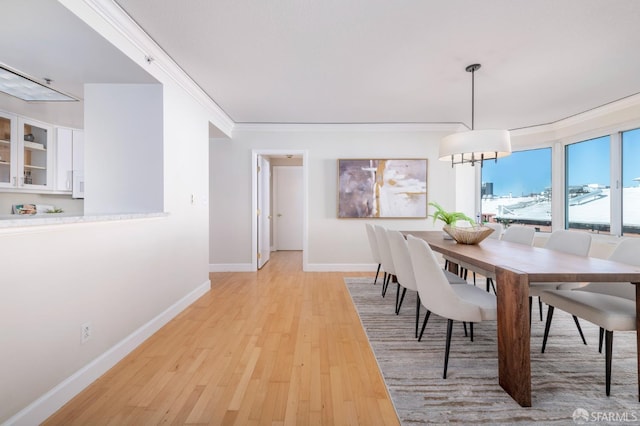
(333, 243)
(122, 276)
(123, 148)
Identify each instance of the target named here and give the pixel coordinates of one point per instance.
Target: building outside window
(631, 182)
(517, 189)
(588, 189)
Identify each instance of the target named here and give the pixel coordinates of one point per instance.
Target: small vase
(445, 234)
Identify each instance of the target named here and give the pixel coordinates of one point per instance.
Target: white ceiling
(401, 61)
(43, 39)
(356, 61)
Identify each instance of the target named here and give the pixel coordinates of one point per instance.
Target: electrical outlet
(86, 331)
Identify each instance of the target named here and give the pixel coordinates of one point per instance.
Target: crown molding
(591, 115)
(349, 127)
(599, 112)
(147, 53)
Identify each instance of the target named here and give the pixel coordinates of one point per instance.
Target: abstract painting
(378, 188)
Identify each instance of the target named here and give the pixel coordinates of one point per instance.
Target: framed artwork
(382, 188)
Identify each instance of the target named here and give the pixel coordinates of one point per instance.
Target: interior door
(288, 207)
(264, 211)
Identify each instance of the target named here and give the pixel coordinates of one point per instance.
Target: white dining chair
(610, 306)
(385, 257)
(375, 253)
(571, 242)
(518, 234)
(465, 303)
(463, 269)
(404, 271)
(498, 229)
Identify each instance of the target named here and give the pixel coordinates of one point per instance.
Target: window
(517, 189)
(587, 191)
(631, 182)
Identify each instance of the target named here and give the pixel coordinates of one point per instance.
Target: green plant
(449, 218)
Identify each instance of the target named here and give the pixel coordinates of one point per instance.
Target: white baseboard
(341, 267)
(231, 267)
(43, 407)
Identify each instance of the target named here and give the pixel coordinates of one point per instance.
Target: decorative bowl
(468, 235)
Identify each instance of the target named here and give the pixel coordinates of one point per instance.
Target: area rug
(568, 380)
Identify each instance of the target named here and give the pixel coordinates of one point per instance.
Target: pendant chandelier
(475, 145)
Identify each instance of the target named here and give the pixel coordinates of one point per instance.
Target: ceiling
(402, 61)
(356, 61)
(43, 39)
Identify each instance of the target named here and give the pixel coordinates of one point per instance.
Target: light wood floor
(278, 346)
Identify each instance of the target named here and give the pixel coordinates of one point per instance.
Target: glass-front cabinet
(25, 153)
(8, 160)
(34, 156)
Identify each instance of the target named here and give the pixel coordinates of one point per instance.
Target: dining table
(515, 266)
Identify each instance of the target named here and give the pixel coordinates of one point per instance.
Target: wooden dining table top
(538, 263)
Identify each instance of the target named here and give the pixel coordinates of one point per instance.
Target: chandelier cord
(473, 101)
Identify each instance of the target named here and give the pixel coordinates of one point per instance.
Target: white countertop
(18, 221)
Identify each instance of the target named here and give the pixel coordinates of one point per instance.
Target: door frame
(254, 200)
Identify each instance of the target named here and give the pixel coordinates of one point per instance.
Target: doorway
(281, 162)
(287, 207)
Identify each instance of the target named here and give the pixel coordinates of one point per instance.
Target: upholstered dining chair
(518, 234)
(385, 257)
(404, 271)
(375, 253)
(610, 306)
(463, 270)
(571, 242)
(465, 303)
(498, 229)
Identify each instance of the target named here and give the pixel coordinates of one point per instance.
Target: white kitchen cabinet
(35, 159)
(69, 164)
(78, 164)
(8, 150)
(25, 153)
(64, 160)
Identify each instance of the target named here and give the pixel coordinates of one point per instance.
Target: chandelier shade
(475, 145)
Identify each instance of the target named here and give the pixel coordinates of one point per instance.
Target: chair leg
(540, 306)
(575, 318)
(377, 272)
(385, 285)
(417, 313)
(530, 309)
(464, 324)
(399, 304)
(471, 330)
(600, 340)
(424, 324)
(608, 351)
(547, 326)
(446, 352)
(474, 278)
(384, 282)
(491, 286)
